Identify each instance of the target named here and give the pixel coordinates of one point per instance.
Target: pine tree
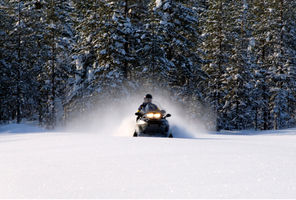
(19, 47)
(178, 28)
(289, 39)
(278, 85)
(58, 57)
(105, 50)
(5, 65)
(29, 54)
(238, 79)
(261, 49)
(214, 46)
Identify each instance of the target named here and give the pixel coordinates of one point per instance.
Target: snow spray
(118, 118)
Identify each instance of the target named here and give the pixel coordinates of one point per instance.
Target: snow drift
(86, 165)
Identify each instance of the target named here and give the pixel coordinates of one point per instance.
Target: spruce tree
(238, 79)
(214, 46)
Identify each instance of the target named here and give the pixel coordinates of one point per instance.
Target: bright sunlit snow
(90, 165)
(158, 3)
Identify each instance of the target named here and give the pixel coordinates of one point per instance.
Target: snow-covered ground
(41, 164)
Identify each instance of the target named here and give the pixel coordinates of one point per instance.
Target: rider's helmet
(148, 98)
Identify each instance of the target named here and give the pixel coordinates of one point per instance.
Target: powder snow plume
(118, 119)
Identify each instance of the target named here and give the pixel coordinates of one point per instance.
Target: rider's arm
(140, 109)
(157, 108)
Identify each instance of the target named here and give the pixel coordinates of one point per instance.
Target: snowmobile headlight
(157, 115)
(150, 115)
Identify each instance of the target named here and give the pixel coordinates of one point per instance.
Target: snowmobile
(153, 123)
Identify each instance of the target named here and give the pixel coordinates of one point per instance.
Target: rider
(147, 100)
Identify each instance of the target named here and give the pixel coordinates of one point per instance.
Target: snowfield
(39, 164)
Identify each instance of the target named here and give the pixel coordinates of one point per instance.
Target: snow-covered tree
(237, 57)
(237, 77)
(177, 27)
(214, 46)
(104, 53)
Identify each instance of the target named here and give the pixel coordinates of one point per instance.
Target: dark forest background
(236, 57)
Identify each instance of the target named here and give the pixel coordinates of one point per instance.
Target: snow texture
(158, 3)
(88, 165)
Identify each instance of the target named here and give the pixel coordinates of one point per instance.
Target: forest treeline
(236, 57)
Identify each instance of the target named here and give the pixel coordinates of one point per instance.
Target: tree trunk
(18, 109)
(217, 94)
(126, 44)
(53, 92)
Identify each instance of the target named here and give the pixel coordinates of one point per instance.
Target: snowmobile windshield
(150, 107)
